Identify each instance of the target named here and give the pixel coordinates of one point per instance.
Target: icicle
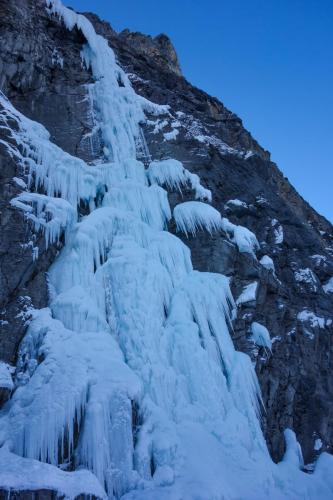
(245, 240)
(80, 373)
(172, 174)
(192, 216)
(51, 215)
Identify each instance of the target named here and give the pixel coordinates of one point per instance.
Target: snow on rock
(169, 136)
(236, 203)
(328, 287)
(319, 259)
(245, 240)
(20, 182)
(318, 444)
(261, 336)
(249, 154)
(172, 174)
(194, 129)
(17, 473)
(267, 262)
(277, 231)
(193, 216)
(310, 319)
(307, 276)
(57, 59)
(158, 125)
(249, 294)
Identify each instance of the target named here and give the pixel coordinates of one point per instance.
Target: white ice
(193, 216)
(261, 336)
(172, 174)
(245, 240)
(311, 318)
(267, 262)
(17, 473)
(249, 294)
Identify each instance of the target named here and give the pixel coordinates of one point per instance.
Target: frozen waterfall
(128, 385)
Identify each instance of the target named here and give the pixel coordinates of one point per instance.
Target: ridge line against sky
(269, 62)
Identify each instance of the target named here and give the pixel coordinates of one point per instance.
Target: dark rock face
(29, 495)
(38, 495)
(158, 49)
(41, 73)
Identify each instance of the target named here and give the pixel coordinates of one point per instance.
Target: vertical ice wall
(131, 372)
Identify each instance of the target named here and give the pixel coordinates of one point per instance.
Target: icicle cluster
(173, 175)
(131, 372)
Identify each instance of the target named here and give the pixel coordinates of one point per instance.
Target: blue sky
(269, 61)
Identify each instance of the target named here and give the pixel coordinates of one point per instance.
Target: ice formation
(267, 262)
(173, 175)
(249, 294)
(236, 203)
(261, 336)
(245, 240)
(130, 376)
(193, 216)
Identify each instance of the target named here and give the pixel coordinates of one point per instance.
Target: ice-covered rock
(261, 336)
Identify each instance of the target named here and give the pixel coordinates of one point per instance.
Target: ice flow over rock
(130, 378)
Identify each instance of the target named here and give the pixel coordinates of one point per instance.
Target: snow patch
(17, 473)
(318, 444)
(170, 136)
(236, 203)
(311, 318)
(277, 231)
(308, 277)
